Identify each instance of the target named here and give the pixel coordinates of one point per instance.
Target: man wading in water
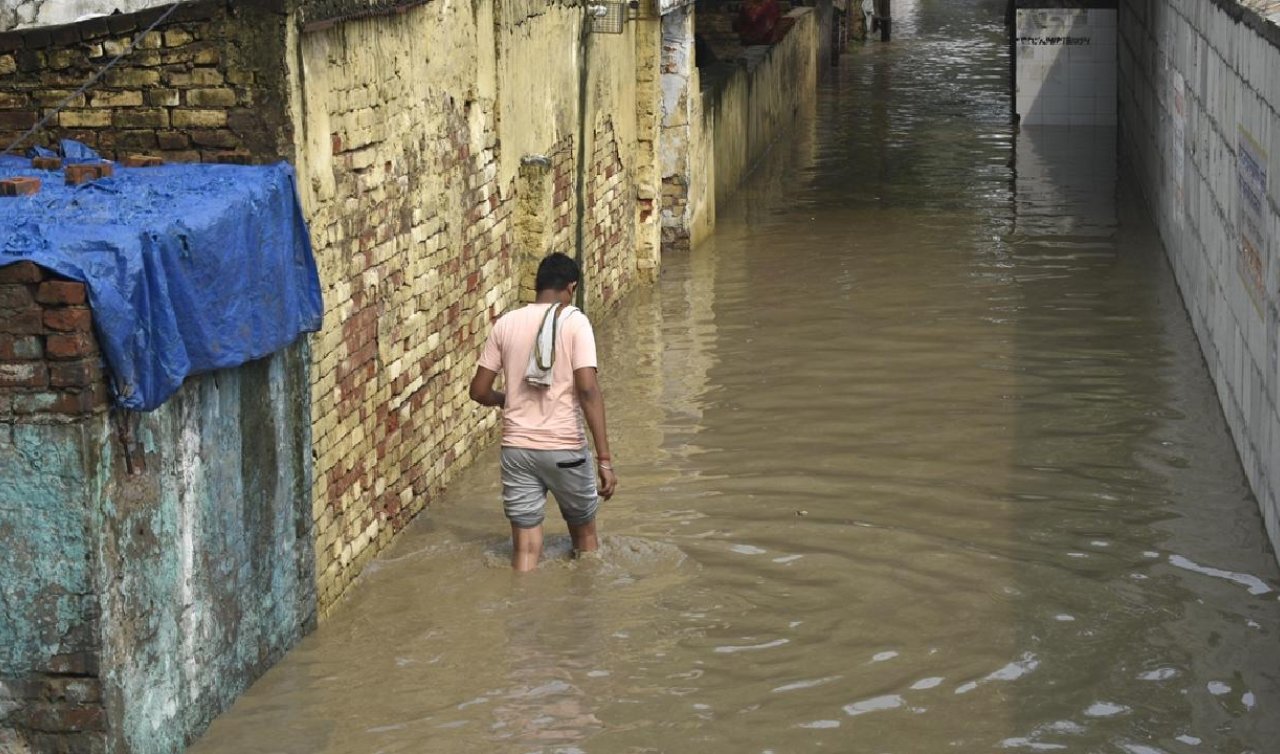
(546, 353)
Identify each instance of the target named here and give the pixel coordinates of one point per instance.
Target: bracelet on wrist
(606, 466)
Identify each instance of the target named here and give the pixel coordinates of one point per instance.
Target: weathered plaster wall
(52, 400)
(439, 155)
(749, 110)
(50, 688)
(718, 120)
(205, 562)
(832, 19)
(687, 164)
(153, 565)
(1200, 118)
(208, 82)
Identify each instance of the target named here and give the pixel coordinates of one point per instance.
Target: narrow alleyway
(917, 454)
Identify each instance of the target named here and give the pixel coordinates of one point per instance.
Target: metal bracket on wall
(127, 423)
(608, 16)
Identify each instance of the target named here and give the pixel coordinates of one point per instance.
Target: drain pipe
(580, 190)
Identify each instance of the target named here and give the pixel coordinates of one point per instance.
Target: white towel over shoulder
(542, 357)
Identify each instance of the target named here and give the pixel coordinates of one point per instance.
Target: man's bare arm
(592, 400)
(482, 391)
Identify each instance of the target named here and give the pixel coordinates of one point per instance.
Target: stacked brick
(609, 257)
(60, 709)
(193, 90)
(646, 173)
(675, 203)
(562, 199)
(414, 278)
(50, 365)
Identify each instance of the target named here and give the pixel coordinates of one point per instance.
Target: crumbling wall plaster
(153, 565)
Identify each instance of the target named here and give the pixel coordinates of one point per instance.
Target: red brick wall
(413, 279)
(609, 254)
(609, 259)
(209, 80)
(50, 365)
(61, 710)
(51, 372)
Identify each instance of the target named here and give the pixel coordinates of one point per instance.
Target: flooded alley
(917, 453)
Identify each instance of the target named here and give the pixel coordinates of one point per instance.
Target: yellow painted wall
(760, 102)
(418, 131)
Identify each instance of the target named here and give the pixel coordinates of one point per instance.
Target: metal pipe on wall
(584, 47)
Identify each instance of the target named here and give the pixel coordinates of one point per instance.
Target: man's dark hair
(556, 272)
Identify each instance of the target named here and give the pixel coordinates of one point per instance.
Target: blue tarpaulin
(189, 268)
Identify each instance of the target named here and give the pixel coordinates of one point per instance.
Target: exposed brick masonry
(410, 296)
(51, 371)
(50, 365)
(61, 709)
(208, 81)
(611, 224)
(413, 280)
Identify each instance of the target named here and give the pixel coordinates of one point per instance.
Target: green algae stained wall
(207, 557)
(157, 596)
(47, 594)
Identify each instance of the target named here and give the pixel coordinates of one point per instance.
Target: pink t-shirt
(540, 418)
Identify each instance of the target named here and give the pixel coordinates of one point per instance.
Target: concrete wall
(438, 154)
(154, 565)
(720, 119)
(1066, 65)
(1200, 118)
(687, 167)
(749, 110)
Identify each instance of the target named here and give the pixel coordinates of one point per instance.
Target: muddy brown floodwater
(918, 454)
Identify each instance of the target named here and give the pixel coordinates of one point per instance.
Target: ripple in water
(877, 704)
(1011, 672)
(1105, 709)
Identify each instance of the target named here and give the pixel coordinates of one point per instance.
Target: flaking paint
(201, 566)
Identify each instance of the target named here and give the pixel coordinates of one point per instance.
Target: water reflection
(919, 456)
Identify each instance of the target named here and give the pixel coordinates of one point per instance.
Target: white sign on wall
(1066, 66)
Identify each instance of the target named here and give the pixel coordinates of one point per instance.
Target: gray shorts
(527, 476)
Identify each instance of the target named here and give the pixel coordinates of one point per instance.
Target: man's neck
(548, 297)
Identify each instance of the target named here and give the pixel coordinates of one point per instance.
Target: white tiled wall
(1066, 184)
(1192, 77)
(1066, 69)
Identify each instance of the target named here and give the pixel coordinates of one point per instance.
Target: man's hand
(591, 399)
(482, 391)
(608, 482)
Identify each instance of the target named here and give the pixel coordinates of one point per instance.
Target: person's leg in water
(584, 538)
(572, 480)
(526, 547)
(524, 496)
